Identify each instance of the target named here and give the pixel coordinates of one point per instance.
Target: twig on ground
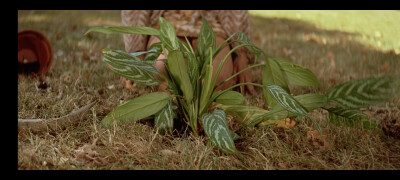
(52, 124)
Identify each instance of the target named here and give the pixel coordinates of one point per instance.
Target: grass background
(336, 45)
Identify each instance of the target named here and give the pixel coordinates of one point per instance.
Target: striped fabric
(186, 22)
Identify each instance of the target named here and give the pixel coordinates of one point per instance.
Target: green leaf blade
(286, 100)
(193, 68)
(205, 40)
(297, 75)
(216, 129)
(207, 89)
(177, 68)
(273, 75)
(351, 118)
(153, 53)
(124, 30)
(230, 98)
(136, 109)
(164, 120)
(243, 113)
(243, 39)
(251, 115)
(168, 35)
(130, 67)
(364, 92)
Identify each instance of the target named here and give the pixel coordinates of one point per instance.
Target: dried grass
(75, 80)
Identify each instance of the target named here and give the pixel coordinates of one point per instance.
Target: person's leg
(239, 64)
(160, 66)
(227, 69)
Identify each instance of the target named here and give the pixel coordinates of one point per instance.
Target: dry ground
(78, 76)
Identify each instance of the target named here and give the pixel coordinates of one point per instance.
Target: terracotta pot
(35, 53)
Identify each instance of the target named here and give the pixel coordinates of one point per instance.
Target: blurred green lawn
(380, 29)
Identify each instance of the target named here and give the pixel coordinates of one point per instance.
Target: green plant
(192, 87)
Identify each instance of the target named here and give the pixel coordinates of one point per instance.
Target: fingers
(240, 64)
(126, 83)
(250, 88)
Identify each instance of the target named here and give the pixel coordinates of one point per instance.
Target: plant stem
(236, 85)
(223, 62)
(249, 67)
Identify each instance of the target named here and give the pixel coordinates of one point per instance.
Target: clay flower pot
(35, 54)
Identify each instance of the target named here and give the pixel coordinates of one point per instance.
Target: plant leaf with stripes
(308, 101)
(364, 92)
(136, 54)
(164, 120)
(242, 113)
(124, 30)
(273, 75)
(154, 52)
(286, 100)
(168, 35)
(205, 40)
(216, 128)
(251, 115)
(136, 109)
(193, 68)
(350, 117)
(289, 103)
(297, 75)
(130, 67)
(243, 39)
(230, 98)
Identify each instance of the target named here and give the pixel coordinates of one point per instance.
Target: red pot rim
(40, 45)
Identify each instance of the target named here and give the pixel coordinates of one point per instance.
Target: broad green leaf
(172, 88)
(216, 128)
(154, 52)
(243, 113)
(168, 36)
(242, 38)
(205, 40)
(281, 59)
(136, 109)
(289, 103)
(364, 92)
(207, 89)
(251, 115)
(350, 117)
(177, 68)
(136, 54)
(164, 120)
(124, 30)
(286, 100)
(297, 75)
(310, 101)
(230, 98)
(192, 68)
(130, 67)
(273, 75)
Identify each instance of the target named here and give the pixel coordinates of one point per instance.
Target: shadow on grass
(333, 55)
